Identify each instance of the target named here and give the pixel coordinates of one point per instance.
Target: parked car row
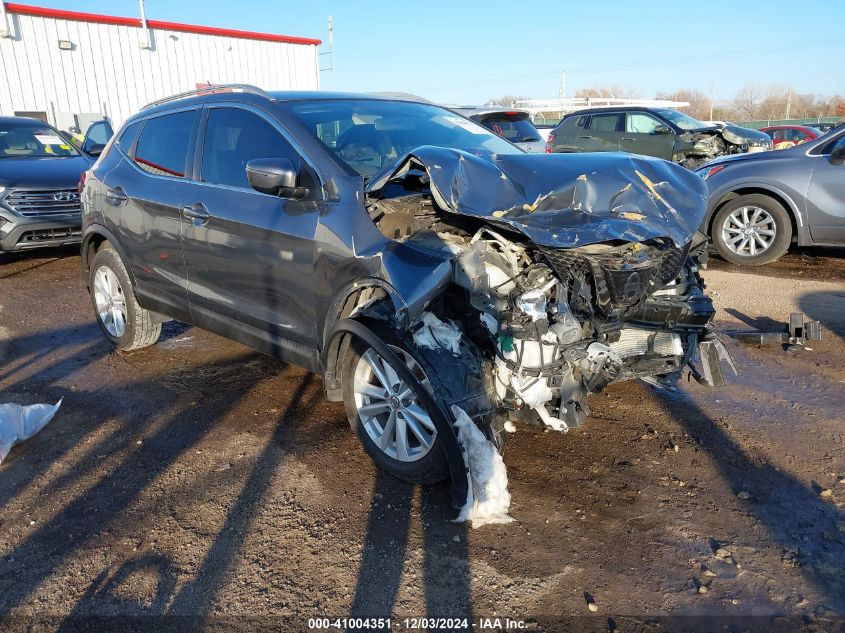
(40, 167)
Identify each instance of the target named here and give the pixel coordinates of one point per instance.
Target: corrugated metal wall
(108, 66)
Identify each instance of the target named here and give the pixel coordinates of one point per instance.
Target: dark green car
(659, 132)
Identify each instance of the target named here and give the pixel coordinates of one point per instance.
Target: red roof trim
(60, 14)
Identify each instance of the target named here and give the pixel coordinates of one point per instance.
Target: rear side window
(233, 137)
(163, 147)
(605, 122)
(581, 121)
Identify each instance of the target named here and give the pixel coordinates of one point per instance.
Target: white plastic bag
(19, 423)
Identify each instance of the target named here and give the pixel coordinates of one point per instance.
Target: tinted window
(515, 128)
(605, 122)
(128, 136)
(639, 123)
(163, 147)
(233, 137)
(582, 121)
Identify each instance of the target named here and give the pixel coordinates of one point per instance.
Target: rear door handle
(196, 211)
(116, 196)
(627, 139)
(585, 137)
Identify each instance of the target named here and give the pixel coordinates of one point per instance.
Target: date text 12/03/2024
(388, 624)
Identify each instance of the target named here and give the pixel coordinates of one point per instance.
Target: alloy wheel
(110, 301)
(389, 410)
(749, 231)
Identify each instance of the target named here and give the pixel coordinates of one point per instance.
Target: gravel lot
(198, 478)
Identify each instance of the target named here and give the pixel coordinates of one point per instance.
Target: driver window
(233, 137)
(639, 123)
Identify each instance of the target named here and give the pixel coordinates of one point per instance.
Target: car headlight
(709, 171)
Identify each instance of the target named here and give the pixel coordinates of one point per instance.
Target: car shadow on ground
(173, 411)
(35, 259)
(446, 573)
(804, 524)
(827, 307)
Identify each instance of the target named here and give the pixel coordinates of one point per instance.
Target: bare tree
(747, 100)
(611, 91)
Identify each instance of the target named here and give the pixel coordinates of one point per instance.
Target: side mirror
(276, 177)
(662, 129)
(94, 150)
(837, 156)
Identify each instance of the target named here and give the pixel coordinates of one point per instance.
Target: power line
(633, 65)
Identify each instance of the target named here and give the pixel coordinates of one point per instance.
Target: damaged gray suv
(410, 256)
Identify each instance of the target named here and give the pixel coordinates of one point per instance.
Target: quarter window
(605, 122)
(128, 136)
(233, 137)
(163, 147)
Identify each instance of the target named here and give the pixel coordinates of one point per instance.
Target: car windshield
(33, 140)
(369, 135)
(683, 121)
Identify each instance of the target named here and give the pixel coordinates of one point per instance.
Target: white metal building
(71, 68)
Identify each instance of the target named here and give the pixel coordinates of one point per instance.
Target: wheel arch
(363, 297)
(748, 189)
(95, 236)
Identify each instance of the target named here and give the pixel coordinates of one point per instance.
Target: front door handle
(116, 196)
(196, 211)
(627, 139)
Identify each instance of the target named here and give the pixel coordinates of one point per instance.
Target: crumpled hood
(563, 200)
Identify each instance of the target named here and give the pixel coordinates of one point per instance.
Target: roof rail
(211, 89)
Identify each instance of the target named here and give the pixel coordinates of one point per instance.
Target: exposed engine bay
(707, 144)
(553, 323)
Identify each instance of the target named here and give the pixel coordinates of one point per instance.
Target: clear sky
(468, 52)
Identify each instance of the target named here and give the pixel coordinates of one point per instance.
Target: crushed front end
(567, 275)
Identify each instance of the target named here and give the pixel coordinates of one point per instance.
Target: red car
(784, 136)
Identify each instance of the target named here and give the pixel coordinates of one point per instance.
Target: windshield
(368, 135)
(683, 121)
(514, 127)
(32, 140)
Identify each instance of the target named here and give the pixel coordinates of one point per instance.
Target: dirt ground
(201, 481)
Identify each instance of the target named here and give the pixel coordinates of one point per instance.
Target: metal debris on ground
(797, 333)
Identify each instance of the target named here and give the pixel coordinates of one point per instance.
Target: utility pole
(562, 90)
(711, 103)
(788, 103)
(330, 52)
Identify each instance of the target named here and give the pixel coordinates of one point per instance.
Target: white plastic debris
(19, 423)
(436, 334)
(488, 499)
(510, 427)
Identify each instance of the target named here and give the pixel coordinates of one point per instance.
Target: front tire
(386, 415)
(124, 323)
(752, 230)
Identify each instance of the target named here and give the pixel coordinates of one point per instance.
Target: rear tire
(124, 323)
(752, 230)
